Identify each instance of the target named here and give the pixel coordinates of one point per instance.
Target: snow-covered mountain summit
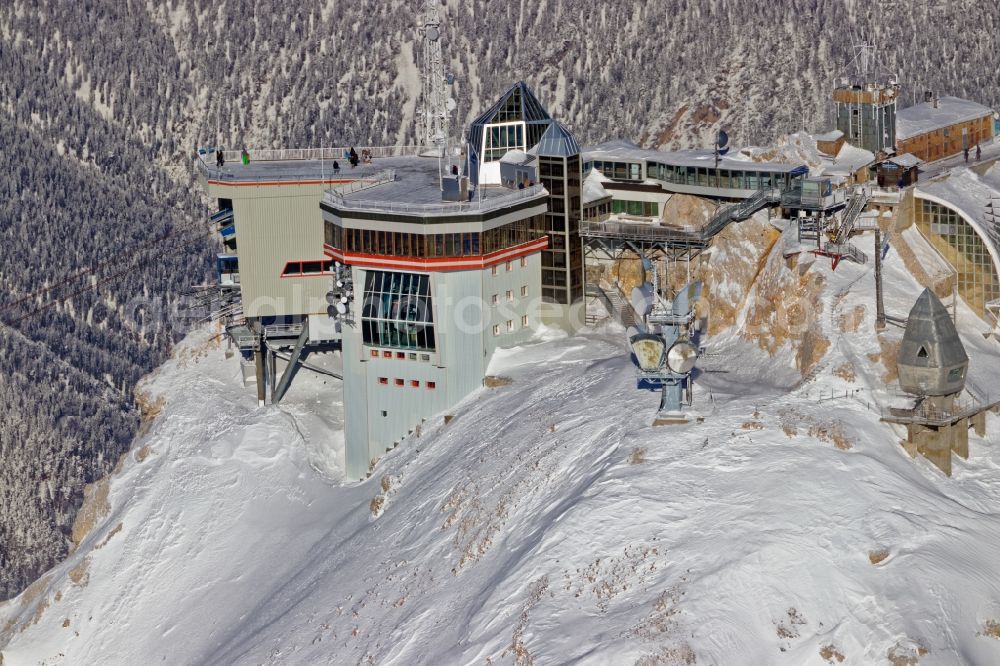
(545, 522)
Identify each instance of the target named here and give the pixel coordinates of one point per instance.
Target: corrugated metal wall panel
(275, 225)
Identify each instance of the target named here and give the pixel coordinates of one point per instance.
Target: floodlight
(681, 357)
(648, 349)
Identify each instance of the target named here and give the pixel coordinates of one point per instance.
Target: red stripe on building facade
(437, 263)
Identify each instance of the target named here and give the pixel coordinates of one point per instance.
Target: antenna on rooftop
(436, 103)
(863, 62)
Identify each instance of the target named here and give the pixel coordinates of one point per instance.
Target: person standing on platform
(966, 151)
(979, 152)
(220, 159)
(245, 156)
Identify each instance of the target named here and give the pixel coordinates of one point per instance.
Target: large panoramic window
(964, 249)
(465, 244)
(640, 208)
(397, 312)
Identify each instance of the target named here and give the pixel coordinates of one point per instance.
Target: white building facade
(437, 288)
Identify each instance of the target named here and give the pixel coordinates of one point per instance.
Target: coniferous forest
(102, 103)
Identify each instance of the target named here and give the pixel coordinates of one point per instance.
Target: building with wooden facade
(941, 127)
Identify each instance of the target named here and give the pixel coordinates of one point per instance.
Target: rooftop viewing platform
(404, 197)
(308, 165)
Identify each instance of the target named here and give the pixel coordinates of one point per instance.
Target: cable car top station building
(416, 271)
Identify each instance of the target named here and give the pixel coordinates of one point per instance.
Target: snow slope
(546, 523)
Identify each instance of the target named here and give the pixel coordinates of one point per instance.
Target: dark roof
(930, 328)
(518, 103)
(557, 142)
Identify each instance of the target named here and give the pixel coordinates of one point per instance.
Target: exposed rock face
(730, 269)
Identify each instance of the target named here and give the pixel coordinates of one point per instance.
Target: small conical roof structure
(557, 142)
(931, 359)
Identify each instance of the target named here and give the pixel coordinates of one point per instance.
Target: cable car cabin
(814, 194)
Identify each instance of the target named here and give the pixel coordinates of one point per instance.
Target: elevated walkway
(682, 236)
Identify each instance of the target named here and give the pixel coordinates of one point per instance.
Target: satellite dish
(341, 308)
(451, 105)
(648, 349)
(337, 264)
(722, 142)
(343, 299)
(331, 312)
(450, 78)
(331, 297)
(682, 357)
(432, 33)
(340, 283)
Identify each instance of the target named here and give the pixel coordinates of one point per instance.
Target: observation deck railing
(335, 197)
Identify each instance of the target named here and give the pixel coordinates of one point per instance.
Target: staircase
(850, 215)
(740, 211)
(615, 303)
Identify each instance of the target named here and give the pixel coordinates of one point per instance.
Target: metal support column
(259, 367)
(272, 370)
(293, 363)
(879, 306)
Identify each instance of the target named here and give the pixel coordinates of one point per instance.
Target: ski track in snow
(547, 523)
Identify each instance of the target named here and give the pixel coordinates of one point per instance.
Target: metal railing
(846, 251)
(334, 198)
(616, 304)
(337, 192)
(964, 405)
(206, 165)
(850, 215)
(270, 175)
(282, 330)
(641, 232)
(328, 153)
(741, 210)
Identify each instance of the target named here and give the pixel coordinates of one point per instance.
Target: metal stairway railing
(615, 303)
(850, 215)
(847, 251)
(741, 211)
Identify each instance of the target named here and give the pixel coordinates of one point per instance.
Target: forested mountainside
(101, 104)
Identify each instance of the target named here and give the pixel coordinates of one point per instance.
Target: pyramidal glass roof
(517, 104)
(557, 142)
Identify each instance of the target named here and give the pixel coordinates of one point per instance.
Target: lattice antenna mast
(435, 97)
(864, 60)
